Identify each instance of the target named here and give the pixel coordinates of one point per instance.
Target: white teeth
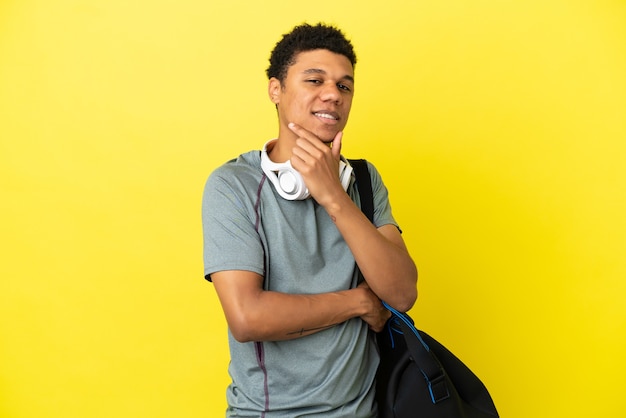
(325, 115)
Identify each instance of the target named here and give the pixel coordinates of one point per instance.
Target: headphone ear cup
(286, 180)
(291, 184)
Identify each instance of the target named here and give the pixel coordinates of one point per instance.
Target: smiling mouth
(327, 115)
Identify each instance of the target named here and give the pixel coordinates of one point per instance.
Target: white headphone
(288, 182)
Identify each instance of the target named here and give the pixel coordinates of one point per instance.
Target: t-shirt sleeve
(382, 207)
(230, 239)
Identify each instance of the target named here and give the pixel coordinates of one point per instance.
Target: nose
(331, 93)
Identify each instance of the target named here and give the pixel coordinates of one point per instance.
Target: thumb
(336, 148)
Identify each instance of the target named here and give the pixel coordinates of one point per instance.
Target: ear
(274, 90)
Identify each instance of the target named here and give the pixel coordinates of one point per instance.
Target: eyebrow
(320, 71)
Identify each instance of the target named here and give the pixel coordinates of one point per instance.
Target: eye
(344, 87)
(314, 81)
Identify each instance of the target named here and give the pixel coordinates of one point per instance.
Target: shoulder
(238, 172)
(246, 163)
(374, 173)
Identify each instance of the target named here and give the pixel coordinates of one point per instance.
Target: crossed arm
(255, 314)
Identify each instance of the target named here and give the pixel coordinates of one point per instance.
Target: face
(316, 93)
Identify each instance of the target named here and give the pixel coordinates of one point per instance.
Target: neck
(279, 150)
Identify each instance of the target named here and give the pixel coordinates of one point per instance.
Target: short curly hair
(303, 38)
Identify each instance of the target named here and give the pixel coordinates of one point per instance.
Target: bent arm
(255, 314)
(380, 253)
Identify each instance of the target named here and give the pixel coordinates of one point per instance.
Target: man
(283, 235)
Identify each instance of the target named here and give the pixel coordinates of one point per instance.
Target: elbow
(406, 301)
(410, 302)
(241, 336)
(407, 297)
(242, 328)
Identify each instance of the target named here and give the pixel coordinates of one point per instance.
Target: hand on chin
(325, 134)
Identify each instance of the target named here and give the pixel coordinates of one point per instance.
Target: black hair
(303, 38)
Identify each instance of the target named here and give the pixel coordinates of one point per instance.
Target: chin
(327, 137)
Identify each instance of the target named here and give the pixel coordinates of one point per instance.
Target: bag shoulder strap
(364, 187)
(430, 367)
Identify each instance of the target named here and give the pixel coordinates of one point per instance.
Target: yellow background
(499, 127)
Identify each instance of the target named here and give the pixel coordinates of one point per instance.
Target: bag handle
(419, 350)
(430, 367)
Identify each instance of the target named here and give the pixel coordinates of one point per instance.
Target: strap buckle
(438, 389)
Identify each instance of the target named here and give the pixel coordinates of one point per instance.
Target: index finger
(303, 133)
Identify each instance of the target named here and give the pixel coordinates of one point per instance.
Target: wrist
(336, 204)
(363, 301)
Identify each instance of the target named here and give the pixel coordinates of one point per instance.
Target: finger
(310, 140)
(302, 133)
(336, 148)
(309, 145)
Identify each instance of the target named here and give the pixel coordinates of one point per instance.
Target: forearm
(280, 316)
(261, 315)
(380, 254)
